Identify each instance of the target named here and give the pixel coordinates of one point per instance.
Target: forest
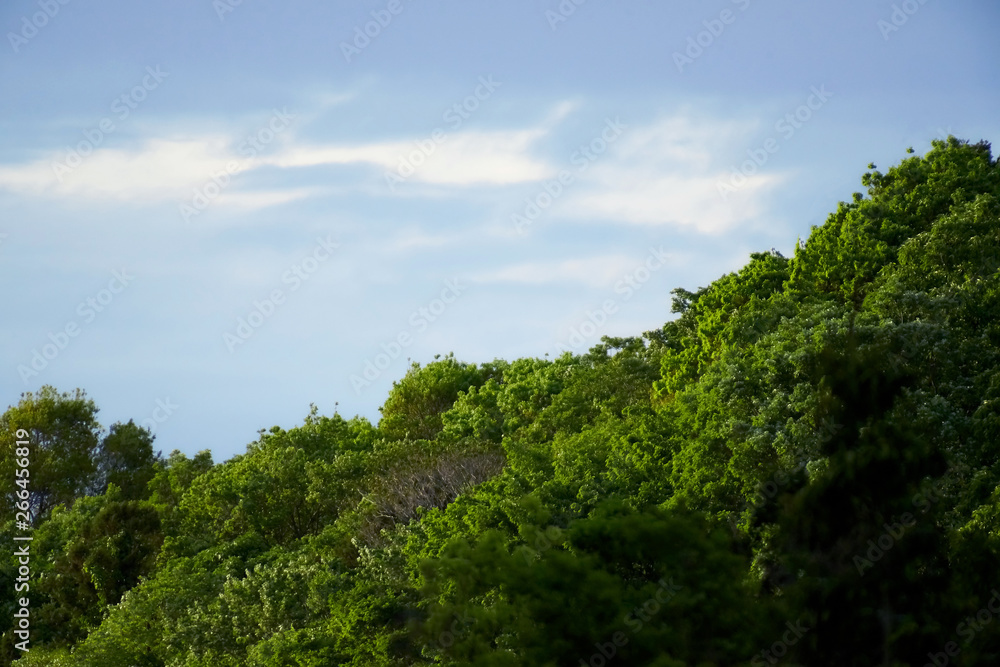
(800, 467)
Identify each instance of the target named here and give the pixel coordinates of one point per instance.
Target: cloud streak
(663, 173)
(593, 271)
(463, 159)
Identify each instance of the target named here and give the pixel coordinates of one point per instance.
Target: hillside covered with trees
(800, 468)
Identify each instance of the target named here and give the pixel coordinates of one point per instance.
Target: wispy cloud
(159, 169)
(666, 173)
(163, 169)
(412, 240)
(255, 199)
(591, 271)
(464, 158)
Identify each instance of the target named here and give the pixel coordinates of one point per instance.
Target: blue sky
(214, 214)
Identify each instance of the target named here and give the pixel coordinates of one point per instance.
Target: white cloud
(664, 173)
(413, 240)
(462, 158)
(256, 199)
(160, 169)
(637, 197)
(668, 173)
(163, 169)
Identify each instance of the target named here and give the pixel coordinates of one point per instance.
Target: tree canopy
(800, 467)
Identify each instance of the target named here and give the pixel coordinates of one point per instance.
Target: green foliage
(126, 459)
(648, 585)
(171, 480)
(84, 559)
(860, 556)
(288, 485)
(64, 437)
(731, 312)
(845, 255)
(415, 404)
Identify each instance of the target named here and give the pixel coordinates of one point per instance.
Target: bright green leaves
(415, 403)
(732, 312)
(289, 484)
(846, 254)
